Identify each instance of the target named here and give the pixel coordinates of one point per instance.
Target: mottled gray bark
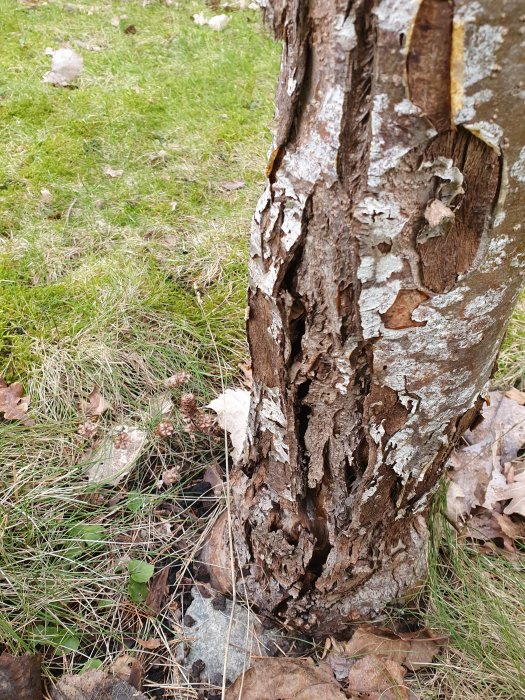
(386, 257)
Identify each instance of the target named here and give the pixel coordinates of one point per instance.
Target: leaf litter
(66, 67)
(13, 403)
(487, 477)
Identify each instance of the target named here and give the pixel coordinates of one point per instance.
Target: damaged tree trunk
(386, 257)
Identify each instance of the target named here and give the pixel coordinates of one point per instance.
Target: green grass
(111, 284)
(478, 600)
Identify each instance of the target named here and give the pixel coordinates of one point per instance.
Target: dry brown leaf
(503, 419)
(293, 679)
(96, 404)
(213, 476)
(94, 685)
(129, 669)
(478, 470)
(373, 678)
(515, 492)
(20, 677)
(412, 649)
(149, 644)
(158, 590)
(340, 665)
(516, 395)
(13, 403)
(516, 531)
(484, 525)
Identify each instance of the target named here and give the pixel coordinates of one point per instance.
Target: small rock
(208, 633)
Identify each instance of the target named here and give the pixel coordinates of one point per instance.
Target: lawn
(125, 208)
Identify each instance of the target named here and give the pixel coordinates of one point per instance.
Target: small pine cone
(164, 429)
(121, 441)
(178, 379)
(207, 424)
(87, 429)
(188, 406)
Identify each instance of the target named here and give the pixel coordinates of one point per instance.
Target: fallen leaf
(213, 476)
(513, 530)
(293, 679)
(160, 405)
(171, 476)
(515, 492)
(122, 666)
(234, 185)
(20, 677)
(66, 67)
(94, 684)
(219, 22)
(13, 403)
(516, 395)
(503, 419)
(477, 475)
(111, 172)
(111, 463)
(158, 590)
(340, 665)
(373, 678)
(46, 196)
(483, 525)
(149, 644)
(200, 19)
(96, 404)
(232, 408)
(412, 649)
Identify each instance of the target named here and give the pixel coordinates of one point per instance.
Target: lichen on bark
(382, 229)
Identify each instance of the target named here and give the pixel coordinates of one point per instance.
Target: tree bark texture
(386, 257)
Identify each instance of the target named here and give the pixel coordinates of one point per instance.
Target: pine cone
(87, 429)
(164, 429)
(178, 379)
(207, 424)
(121, 441)
(188, 405)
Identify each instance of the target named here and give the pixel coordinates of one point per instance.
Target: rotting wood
(386, 257)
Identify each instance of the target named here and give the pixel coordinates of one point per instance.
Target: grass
(477, 599)
(116, 283)
(121, 282)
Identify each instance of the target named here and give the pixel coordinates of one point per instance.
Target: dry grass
(98, 288)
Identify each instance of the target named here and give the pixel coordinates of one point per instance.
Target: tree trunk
(386, 258)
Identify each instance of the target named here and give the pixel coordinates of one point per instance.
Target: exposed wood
(386, 257)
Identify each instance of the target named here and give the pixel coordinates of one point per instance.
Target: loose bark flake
(386, 257)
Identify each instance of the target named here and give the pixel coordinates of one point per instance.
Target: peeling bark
(386, 258)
